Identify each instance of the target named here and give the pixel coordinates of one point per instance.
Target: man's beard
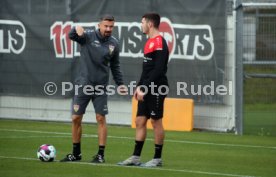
(107, 34)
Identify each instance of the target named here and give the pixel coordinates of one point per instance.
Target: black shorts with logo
(81, 100)
(152, 106)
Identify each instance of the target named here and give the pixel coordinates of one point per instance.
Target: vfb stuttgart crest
(76, 107)
(111, 49)
(167, 32)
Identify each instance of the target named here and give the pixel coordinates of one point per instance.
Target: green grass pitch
(191, 154)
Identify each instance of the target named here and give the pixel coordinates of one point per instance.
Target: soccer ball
(46, 153)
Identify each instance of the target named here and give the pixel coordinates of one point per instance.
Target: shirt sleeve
(115, 68)
(75, 37)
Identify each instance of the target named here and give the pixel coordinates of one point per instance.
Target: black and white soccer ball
(46, 153)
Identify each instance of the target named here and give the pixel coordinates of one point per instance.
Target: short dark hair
(107, 17)
(154, 18)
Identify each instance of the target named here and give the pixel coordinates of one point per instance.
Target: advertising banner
(35, 48)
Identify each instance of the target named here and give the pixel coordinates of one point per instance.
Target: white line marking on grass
(144, 168)
(24, 137)
(18, 158)
(150, 139)
(203, 143)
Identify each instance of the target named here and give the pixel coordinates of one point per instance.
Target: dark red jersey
(156, 56)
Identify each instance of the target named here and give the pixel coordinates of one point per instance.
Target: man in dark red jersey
(149, 92)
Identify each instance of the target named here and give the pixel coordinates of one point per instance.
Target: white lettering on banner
(202, 41)
(186, 42)
(16, 40)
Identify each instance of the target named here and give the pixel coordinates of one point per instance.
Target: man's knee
(76, 119)
(156, 123)
(141, 122)
(100, 119)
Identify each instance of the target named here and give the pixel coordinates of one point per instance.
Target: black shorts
(81, 100)
(152, 106)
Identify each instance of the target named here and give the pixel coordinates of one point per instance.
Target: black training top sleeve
(115, 67)
(75, 37)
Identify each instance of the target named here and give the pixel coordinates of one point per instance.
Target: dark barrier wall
(35, 49)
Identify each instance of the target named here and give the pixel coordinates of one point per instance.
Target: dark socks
(101, 150)
(158, 151)
(138, 148)
(76, 149)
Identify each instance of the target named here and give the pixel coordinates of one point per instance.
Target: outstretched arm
(77, 34)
